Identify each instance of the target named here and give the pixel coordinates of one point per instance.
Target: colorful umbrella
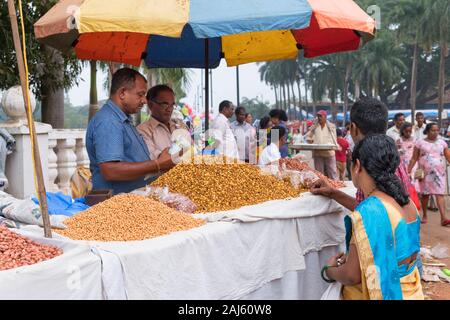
(171, 33)
(199, 33)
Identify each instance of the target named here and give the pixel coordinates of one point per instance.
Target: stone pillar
(67, 164)
(81, 152)
(19, 165)
(52, 165)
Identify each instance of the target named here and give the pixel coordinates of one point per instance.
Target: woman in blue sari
(383, 234)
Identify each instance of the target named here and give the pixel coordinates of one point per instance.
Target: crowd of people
(386, 166)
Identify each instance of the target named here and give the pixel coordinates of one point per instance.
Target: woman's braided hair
(379, 156)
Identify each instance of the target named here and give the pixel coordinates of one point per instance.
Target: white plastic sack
(440, 251)
(334, 292)
(26, 211)
(74, 275)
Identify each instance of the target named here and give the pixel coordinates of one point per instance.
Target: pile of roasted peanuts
(217, 186)
(127, 217)
(17, 251)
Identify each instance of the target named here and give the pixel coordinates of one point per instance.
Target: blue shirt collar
(123, 117)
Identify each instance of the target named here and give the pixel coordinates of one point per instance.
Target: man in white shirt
(324, 132)
(224, 141)
(394, 132)
(245, 136)
(271, 153)
(419, 127)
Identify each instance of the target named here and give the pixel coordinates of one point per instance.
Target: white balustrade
(81, 152)
(67, 164)
(52, 165)
(70, 151)
(62, 151)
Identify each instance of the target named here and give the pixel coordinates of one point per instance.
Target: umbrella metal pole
(36, 155)
(237, 87)
(206, 84)
(211, 85)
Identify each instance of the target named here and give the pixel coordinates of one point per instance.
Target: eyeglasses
(165, 105)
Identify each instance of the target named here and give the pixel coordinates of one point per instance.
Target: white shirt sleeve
(270, 154)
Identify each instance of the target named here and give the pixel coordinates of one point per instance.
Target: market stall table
(273, 250)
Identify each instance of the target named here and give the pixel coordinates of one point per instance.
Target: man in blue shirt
(119, 157)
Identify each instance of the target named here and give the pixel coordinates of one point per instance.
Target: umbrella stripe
(254, 46)
(58, 19)
(166, 18)
(218, 18)
(123, 47)
(342, 14)
(185, 52)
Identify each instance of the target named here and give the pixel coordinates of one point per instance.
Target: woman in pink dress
(430, 153)
(405, 144)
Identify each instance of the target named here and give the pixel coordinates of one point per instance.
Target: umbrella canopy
(171, 33)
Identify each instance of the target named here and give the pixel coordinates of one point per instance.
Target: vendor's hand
(165, 160)
(322, 188)
(337, 260)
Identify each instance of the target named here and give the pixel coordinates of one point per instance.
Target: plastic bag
(333, 292)
(26, 211)
(303, 179)
(81, 182)
(61, 204)
(173, 200)
(440, 251)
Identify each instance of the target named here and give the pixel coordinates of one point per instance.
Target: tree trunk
(281, 97)
(414, 81)
(441, 81)
(314, 104)
(299, 99)
(348, 72)
(293, 101)
(357, 90)
(334, 110)
(284, 97)
(306, 97)
(93, 99)
(369, 86)
(53, 98)
(289, 101)
(276, 97)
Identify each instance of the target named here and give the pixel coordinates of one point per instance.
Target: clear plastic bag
(173, 200)
(300, 179)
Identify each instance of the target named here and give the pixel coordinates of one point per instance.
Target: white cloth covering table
(270, 251)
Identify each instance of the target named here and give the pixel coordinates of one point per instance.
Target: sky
(223, 83)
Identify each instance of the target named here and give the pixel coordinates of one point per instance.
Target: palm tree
(408, 16)
(328, 79)
(437, 29)
(379, 65)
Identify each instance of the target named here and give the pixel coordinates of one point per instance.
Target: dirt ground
(432, 233)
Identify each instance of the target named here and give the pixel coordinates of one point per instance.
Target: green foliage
(381, 68)
(256, 107)
(40, 63)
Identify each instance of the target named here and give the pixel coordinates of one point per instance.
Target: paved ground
(433, 233)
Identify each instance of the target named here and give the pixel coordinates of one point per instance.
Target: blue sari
(383, 239)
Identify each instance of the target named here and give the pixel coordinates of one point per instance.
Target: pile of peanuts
(17, 251)
(127, 217)
(215, 186)
(297, 165)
